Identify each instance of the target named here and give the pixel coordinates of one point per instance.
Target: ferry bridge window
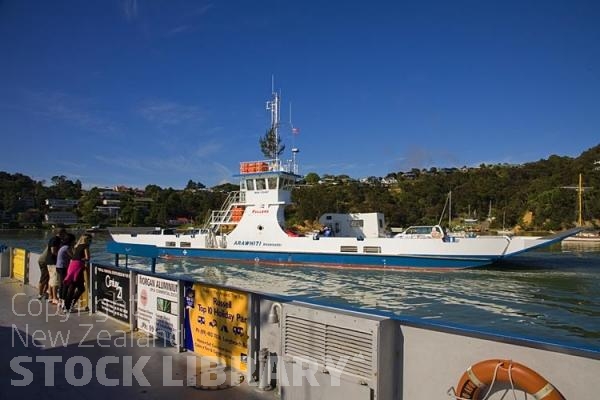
(284, 183)
(250, 184)
(243, 184)
(272, 182)
(261, 184)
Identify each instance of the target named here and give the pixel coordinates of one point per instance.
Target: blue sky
(163, 91)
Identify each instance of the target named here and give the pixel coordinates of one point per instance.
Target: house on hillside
(61, 212)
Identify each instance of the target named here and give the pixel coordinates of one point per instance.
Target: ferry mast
(274, 106)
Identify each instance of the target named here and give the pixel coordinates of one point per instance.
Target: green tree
(64, 188)
(153, 191)
(312, 178)
(270, 144)
(87, 207)
(127, 210)
(191, 185)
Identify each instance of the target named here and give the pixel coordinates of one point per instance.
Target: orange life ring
(482, 374)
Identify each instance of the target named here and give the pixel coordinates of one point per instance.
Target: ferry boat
(250, 227)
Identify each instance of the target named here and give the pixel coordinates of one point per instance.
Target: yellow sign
(18, 264)
(218, 321)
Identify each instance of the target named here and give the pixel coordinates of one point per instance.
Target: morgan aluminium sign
(158, 307)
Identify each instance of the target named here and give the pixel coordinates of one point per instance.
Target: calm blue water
(552, 295)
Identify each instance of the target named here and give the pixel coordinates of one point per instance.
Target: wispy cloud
(170, 113)
(130, 9)
(72, 109)
(69, 166)
(190, 21)
(222, 174)
(180, 29)
(208, 149)
(202, 10)
(124, 162)
(166, 170)
(340, 166)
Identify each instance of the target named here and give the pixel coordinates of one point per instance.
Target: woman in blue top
(65, 253)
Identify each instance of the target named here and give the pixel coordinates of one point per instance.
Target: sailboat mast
(580, 189)
(580, 200)
(449, 209)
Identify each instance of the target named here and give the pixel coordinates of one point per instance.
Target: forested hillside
(544, 190)
(536, 195)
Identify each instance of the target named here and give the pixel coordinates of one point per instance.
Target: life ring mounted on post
(485, 373)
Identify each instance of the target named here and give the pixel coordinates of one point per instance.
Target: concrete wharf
(52, 355)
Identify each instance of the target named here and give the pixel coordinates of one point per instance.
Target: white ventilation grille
(303, 338)
(329, 346)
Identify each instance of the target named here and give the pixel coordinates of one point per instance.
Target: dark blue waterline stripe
(323, 259)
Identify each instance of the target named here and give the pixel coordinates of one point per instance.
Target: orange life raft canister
(482, 374)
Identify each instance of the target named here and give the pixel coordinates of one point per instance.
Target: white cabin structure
(365, 225)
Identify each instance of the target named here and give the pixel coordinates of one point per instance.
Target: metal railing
(224, 215)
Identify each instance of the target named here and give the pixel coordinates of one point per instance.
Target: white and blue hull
(404, 253)
(321, 260)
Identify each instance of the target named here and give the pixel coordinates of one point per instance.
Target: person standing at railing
(75, 279)
(53, 246)
(48, 259)
(44, 277)
(62, 264)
